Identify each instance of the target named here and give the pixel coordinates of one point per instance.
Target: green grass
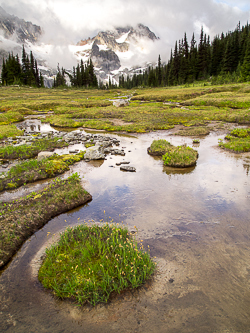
(33, 170)
(7, 131)
(19, 219)
(238, 140)
(89, 263)
(181, 157)
(28, 151)
(195, 106)
(159, 147)
(10, 117)
(193, 131)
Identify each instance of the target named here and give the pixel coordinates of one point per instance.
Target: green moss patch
(180, 157)
(238, 140)
(7, 131)
(21, 218)
(34, 170)
(159, 147)
(193, 131)
(89, 263)
(28, 151)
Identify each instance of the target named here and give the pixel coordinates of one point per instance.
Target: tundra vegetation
(90, 263)
(178, 157)
(20, 218)
(196, 109)
(34, 170)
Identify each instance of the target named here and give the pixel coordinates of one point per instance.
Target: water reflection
(35, 125)
(196, 222)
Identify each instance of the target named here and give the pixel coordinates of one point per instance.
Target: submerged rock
(128, 168)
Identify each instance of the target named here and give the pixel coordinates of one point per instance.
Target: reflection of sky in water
(35, 125)
(152, 196)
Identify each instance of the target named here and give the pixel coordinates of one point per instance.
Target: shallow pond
(196, 222)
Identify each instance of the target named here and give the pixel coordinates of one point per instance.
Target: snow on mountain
(117, 52)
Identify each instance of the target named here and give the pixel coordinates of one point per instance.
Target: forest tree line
(225, 59)
(82, 76)
(24, 73)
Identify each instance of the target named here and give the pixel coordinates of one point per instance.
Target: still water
(196, 222)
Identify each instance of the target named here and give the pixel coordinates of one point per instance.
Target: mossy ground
(19, 219)
(238, 140)
(149, 109)
(159, 147)
(89, 263)
(180, 157)
(33, 170)
(28, 151)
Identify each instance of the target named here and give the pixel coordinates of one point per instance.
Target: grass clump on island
(238, 140)
(180, 157)
(27, 151)
(159, 147)
(19, 219)
(34, 170)
(89, 263)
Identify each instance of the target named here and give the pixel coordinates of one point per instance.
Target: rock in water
(128, 168)
(94, 153)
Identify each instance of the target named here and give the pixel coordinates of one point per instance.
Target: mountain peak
(25, 31)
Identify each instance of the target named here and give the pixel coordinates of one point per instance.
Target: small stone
(171, 280)
(128, 168)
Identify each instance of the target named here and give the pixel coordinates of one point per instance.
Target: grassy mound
(89, 263)
(238, 140)
(193, 131)
(159, 147)
(19, 219)
(7, 131)
(28, 151)
(180, 157)
(34, 170)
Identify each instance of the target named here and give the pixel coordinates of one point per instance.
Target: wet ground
(196, 222)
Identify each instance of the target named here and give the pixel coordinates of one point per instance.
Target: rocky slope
(23, 31)
(110, 51)
(108, 47)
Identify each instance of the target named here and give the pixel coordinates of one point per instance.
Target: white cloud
(66, 22)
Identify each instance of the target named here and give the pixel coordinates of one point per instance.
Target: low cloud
(66, 22)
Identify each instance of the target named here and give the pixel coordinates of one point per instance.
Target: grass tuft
(91, 262)
(180, 157)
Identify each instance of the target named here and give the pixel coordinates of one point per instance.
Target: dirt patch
(21, 218)
(120, 122)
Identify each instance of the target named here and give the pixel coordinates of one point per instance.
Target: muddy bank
(21, 218)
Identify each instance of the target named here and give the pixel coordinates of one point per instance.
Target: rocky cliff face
(105, 48)
(23, 30)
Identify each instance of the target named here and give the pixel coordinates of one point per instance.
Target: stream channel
(196, 222)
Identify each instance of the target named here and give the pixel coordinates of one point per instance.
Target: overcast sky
(66, 21)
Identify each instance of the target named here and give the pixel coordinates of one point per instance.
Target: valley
(195, 220)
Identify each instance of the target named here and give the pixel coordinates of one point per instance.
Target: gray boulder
(120, 102)
(44, 154)
(94, 153)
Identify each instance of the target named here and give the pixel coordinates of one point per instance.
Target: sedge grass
(181, 157)
(28, 151)
(89, 263)
(33, 170)
(238, 140)
(20, 218)
(159, 147)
